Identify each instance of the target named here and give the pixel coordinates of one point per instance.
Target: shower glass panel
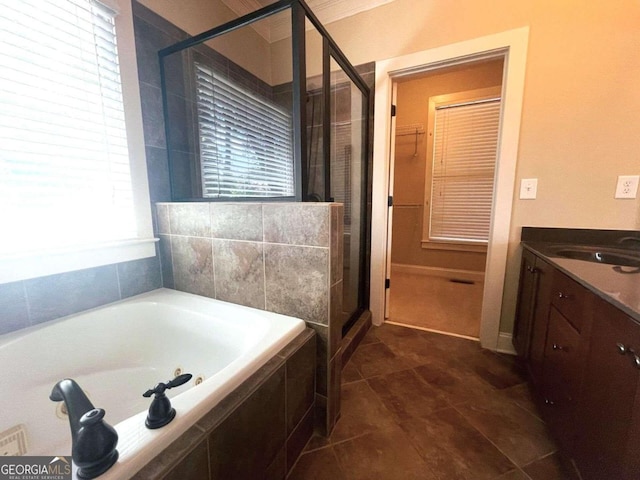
(315, 181)
(231, 128)
(348, 116)
(267, 107)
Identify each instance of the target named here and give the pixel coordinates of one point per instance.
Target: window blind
(64, 163)
(341, 168)
(245, 141)
(465, 143)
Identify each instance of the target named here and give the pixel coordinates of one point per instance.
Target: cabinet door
(526, 305)
(632, 455)
(562, 374)
(605, 410)
(544, 280)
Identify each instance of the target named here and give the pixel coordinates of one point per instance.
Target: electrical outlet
(528, 188)
(627, 186)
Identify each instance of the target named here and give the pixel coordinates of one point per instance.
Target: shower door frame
(300, 12)
(330, 50)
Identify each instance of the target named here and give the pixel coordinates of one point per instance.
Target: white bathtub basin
(118, 351)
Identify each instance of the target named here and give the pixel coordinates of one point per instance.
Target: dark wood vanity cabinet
(560, 382)
(568, 325)
(526, 305)
(583, 356)
(534, 298)
(607, 434)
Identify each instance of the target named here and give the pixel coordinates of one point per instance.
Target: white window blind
(64, 162)
(465, 143)
(245, 141)
(341, 168)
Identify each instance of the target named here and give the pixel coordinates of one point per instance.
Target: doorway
(444, 144)
(512, 46)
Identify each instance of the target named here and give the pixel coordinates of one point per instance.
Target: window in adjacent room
(462, 146)
(73, 191)
(245, 141)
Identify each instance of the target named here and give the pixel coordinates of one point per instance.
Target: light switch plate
(528, 188)
(627, 186)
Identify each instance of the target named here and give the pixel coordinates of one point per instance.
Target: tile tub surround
(37, 300)
(281, 257)
(257, 431)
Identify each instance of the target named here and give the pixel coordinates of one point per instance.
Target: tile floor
(419, 405)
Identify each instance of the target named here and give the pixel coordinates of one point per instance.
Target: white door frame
(392, 154)
(512, 45)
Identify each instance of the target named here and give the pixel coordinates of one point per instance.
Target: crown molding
(242, 7)
(279, 28)
(329, 11)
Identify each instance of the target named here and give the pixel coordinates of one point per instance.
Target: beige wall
(410, 171)
(581, 110)
(244, 46)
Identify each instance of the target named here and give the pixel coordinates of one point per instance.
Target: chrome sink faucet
(93, 440)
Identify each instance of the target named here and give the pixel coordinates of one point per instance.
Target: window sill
(43, 263)
(455, 247)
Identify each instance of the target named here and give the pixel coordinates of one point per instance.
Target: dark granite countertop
(619, 289)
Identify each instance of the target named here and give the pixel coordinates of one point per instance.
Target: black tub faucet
(93, 440)
(161, 412)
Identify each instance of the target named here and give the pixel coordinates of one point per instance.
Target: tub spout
(76, 402)
(93, 440)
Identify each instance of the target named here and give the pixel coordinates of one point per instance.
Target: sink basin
(599, 255)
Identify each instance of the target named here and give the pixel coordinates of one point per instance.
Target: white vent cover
(13, 442)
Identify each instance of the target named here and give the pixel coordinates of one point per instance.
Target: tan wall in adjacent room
(410, 171)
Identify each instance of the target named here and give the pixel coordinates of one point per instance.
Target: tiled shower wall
(281, 257)
(153, 33)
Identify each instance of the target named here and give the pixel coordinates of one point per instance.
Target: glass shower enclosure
(266, 107)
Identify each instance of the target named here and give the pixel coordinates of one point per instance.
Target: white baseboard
(438, 272)
(505, 344)
(441, 332)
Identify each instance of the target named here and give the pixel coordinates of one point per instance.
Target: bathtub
(118, 351)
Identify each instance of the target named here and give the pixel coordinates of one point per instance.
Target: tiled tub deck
(257, 431)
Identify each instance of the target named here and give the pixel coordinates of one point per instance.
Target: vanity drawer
(571, 299)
